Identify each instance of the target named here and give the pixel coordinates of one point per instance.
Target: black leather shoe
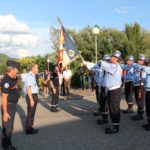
(145, 125)
(10, 147)
(112, 130)
(32, 131)
(102, 121)
(54, 109)
(96, 113)
(13, 148)
(137, 117)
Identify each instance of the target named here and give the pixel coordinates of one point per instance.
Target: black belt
(12, 102)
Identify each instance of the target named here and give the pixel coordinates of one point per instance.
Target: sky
(25, 24)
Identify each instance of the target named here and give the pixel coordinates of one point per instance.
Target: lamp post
(95, 31)
(48, 60)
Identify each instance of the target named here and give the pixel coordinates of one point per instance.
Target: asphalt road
(74, 127)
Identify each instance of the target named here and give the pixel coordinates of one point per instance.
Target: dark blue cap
(12, 63)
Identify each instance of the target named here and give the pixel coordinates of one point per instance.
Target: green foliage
(135, 44)
(25, 62)
(42, 63)
(132, 41)
(40, 60)
(3, 68)
(3, 59)
(75, 78)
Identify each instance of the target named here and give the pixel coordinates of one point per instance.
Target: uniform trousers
(139, 100)
(67, 86)
(97, 90)
(147, 99)
(31, 111)
(103, 101)
(129, 92)
(82, 81)
(9, 125)
(114, 98)
(55, 97)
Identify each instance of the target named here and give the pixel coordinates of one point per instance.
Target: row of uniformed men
(110, 76)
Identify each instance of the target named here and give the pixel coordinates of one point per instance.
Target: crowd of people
(56, 81)
(108, 75)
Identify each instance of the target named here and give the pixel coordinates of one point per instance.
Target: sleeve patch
(6, 85)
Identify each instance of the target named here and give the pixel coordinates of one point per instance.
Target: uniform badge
(71, 53)
(6, 85)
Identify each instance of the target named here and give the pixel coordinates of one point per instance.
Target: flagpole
(60, 53)
(59, 21)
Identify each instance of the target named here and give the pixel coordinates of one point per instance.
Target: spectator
(61, 82)
(23, 75)
(54, 83)
(23, 79)
(81, 73)
(45, 85)
(67, 75)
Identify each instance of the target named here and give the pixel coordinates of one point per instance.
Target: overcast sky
(24, 24)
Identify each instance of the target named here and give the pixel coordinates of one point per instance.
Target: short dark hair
(31, 66)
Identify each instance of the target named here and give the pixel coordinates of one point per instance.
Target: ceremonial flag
(67, 49)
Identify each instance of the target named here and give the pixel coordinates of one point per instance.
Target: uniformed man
(10, 96)
(31, 98)
(147, 97)
(103, 96)
(139, 79)
(97, 75)
(45, 85)
(128, 73)
(54, 83)
(113, 84)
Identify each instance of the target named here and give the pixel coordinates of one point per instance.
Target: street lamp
(48, 60)
(96, 31)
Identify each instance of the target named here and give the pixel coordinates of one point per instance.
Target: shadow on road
(74, 104)
(79, 131)
(83, 134)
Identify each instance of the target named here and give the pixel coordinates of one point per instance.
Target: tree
(132, 41)
(135, 43)
(3, 69)
(25, 62)
(111, 40)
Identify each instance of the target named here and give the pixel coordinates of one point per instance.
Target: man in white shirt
(67, 75)
(23, 79)
(23, 76)
(31, 90)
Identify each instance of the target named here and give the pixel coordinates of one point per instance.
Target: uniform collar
(10, 76)
(31, 73)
